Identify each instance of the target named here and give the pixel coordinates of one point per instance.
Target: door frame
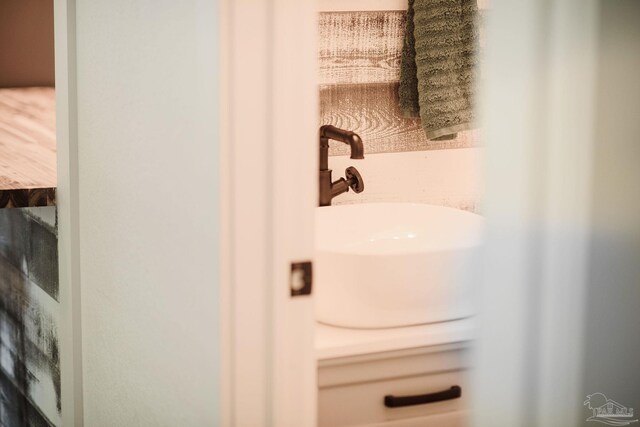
(269, 108)
(268, 126)
(68, 213)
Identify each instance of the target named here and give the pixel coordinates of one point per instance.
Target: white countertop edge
(333, 342)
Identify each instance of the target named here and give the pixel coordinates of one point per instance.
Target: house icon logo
(608, 411)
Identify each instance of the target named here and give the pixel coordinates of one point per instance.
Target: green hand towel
(438, 66)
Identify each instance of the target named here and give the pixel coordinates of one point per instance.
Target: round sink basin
(383, 265)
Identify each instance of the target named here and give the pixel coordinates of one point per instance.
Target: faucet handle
(354, 179)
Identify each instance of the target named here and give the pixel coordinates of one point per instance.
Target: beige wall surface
(26, 43)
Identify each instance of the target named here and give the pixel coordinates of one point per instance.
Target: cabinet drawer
(448, 419)
(363, 403)
(352, 389)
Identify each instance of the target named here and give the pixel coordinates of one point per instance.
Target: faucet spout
(331, 132)
(329, 188)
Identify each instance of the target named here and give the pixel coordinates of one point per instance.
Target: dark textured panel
(28, 198)
(14, 236)
(372, 111)
(29, 335)
(15, 409)
(32, 247)
(43, 258)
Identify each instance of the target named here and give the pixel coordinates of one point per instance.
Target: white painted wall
(452, 178)
(148, 207)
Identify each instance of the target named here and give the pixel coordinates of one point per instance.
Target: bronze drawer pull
(398, 401)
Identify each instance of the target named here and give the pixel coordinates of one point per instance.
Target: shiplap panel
(29, 317)
(364, 46)
(29, 354)
(359, 56)
(360, 47)
(371, 110)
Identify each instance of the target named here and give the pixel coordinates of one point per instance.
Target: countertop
(333, 342)
(27, 147)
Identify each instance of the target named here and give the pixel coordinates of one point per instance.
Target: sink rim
(467, 241)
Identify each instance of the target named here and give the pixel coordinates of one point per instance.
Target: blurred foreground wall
(612, 338)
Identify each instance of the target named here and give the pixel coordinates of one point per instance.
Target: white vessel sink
(385, 265)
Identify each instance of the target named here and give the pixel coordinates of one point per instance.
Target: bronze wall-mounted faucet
(329, 189)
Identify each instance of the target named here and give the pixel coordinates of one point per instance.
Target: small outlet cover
(301, 279)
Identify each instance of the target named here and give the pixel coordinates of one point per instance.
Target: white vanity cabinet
(413, 387)
(421, 386)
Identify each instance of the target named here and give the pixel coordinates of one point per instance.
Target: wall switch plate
(301, 279)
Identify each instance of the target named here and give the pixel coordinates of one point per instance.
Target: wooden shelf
(27, 147)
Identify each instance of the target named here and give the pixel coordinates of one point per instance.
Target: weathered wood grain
(29, 317)
(29, 343)
(31, 245)
(372, 111)
(16, 409)
(364, 47)
(27, 147)
(359, 56)
(360, 47)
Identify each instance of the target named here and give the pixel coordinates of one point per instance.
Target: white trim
(247, 193)
(269, 119)
(294, 162)
(70, 333)
(226, 215)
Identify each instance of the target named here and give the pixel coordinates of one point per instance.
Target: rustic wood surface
(29, 320)
(360, 47)
(27, 147)
(372, 112)
(359, 56)
(364, 47)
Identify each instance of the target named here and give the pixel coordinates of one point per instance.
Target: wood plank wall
(29, 318)
(27, 147)
(359, 57)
